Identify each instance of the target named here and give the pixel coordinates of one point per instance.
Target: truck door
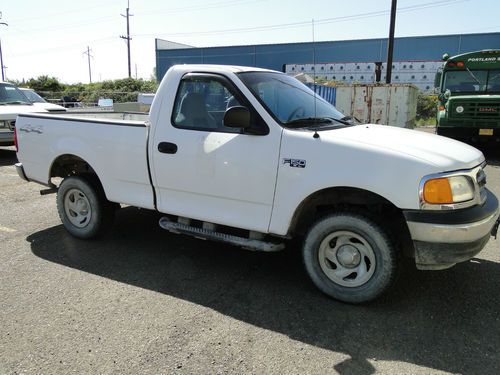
(206, 171)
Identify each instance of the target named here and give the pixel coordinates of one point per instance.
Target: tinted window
(201, 103)
(465, 81)
(494, 81)
(10, 94)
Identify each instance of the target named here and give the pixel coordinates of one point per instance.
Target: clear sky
(49, 37)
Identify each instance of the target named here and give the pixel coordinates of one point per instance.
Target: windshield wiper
(473, 76)
(308, 121)
(351, 120)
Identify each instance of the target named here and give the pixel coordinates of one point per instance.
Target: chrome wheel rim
(77, 208)
(347, 258)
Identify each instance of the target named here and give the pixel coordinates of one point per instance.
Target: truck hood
(10, 112)
(443, 153)
(49, 107)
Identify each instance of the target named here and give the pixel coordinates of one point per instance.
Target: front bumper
(470, 133)
(442, 239)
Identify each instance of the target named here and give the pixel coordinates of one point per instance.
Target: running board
(206, 234)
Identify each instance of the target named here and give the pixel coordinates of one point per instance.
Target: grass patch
(426, 121)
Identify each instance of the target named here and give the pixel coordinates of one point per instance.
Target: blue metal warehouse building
(279, 56)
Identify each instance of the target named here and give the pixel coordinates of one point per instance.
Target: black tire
(357, 245)
(83, 208)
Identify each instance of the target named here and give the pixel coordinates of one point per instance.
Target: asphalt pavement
(141, 300)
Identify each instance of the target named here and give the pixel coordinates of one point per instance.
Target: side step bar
(207, 234)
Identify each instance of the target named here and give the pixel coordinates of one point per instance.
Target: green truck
(469, 97)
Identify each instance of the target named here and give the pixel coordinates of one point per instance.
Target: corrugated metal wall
(275, 56)
(326, 92)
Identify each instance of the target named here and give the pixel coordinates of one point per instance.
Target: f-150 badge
(295, 163)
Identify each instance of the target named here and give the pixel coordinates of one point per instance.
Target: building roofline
(327, 41)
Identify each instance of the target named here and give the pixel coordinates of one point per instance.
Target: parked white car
(40, 102)
(12, 103)
(253, 158)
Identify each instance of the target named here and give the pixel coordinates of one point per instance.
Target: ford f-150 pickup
(253, 158)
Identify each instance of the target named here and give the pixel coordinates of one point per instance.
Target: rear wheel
(83, 208)
(349, 257)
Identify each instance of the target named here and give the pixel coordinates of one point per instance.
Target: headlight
(448, 190)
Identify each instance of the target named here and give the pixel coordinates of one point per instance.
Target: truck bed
(106, 116)
(114, 144)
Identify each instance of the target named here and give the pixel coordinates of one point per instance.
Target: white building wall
(419, 73)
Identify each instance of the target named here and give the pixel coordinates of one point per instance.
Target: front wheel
(349, 257)
(83, 208)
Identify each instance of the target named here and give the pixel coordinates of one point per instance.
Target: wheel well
(376, 207)
(70, 165)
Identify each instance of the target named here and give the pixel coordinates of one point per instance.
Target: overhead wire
(283, 26)
(307, 23)
(220, 4)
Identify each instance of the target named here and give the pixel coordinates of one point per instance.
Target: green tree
(45, 83)
(120, 90)
(426, 106)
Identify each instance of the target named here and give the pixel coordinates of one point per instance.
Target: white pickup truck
(12, 102)
(251, 157)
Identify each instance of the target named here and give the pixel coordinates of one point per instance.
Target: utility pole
(1, 61)
(2, 67)
(390, 47)
(87, 52)
(128, 38)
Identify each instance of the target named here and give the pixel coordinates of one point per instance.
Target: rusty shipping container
(393, 104)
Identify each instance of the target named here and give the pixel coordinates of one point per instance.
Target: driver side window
(201, 103)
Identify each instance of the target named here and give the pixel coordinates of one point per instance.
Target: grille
(12, 124)
(476, 110)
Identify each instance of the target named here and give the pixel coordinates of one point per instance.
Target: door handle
(167, 148)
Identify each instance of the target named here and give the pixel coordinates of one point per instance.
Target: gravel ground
(142, 300)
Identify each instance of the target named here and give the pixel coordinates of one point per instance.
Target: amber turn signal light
(438, 191)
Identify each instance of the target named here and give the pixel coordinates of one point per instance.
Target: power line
(73, 10)
(220, 4)
(317, 22)
(66, 47)
(106, 19)
(58, 28)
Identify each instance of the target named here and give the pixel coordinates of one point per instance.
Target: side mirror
(237, 117)
(447, 94)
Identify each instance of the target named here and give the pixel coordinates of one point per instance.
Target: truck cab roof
(222, 68)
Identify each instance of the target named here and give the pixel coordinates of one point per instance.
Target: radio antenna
(315, 135)
(314, 66)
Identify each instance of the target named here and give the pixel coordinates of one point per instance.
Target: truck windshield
(10, 94)
(472, 81)
(289, 101)
(33, 96)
